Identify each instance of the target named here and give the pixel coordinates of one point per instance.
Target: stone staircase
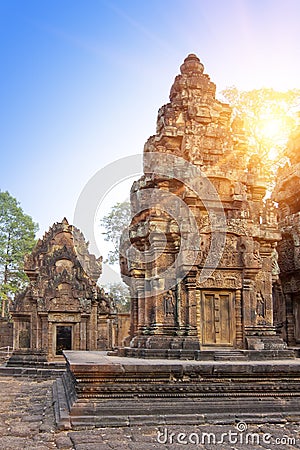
(44, 372)
(31, 364)
(229, 355)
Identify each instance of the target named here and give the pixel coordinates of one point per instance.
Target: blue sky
(81, 81)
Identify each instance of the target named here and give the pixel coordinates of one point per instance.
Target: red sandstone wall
(6, 333)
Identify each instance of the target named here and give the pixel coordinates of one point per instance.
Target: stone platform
(102, 390)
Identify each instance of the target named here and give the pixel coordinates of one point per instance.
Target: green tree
(17, 238)
(120, 293)
(115, 222)
(268, 118)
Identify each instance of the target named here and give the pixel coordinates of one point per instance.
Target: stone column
(93, 327)
(239, 319)
(76, 336)
(290, 319)
(179, 310)
(34, 326)
(44, 344)
(51, 341)
(134, 304)
(190, 285)
(199, 316)
(83, 333)
(16, 328)
(141, 305)
(248, 293)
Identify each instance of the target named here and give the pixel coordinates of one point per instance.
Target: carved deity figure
(169, 307)
(275, 266)
(260, 305)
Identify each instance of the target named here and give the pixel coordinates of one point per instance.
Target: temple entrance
(63, 338)
(218, 318)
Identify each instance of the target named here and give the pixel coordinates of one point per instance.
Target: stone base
(226, 353)
(265, 343)
(258, 340)
(157, 341)
(101, 390)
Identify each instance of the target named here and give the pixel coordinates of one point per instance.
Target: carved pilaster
(34, 326)
(52, 341)
(44, 331)
(141, 305)
(76, 337)
(83, 333)
(190, 286)
(94, 325)
(134, 316)
(290, 320)
(239, 319)
(248, 295)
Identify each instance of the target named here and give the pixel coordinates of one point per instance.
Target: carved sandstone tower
(286, 193)
(198, 258)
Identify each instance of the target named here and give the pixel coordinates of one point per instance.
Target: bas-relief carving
(291, 285)
(169, 304)
(64, 317)
(260, 308)
(275, 265)
(250, 255)
(220, 280)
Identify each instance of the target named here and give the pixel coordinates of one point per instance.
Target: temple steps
(229, 355)
(32, 372)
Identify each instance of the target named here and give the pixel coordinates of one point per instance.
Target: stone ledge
(131, 390)
(205, 355)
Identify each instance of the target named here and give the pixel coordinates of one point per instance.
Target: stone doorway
(218, 318)
(63, 338)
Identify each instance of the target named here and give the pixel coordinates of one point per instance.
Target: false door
(218, 318)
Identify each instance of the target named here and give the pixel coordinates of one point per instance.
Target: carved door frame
(217, 318)
(54, 342)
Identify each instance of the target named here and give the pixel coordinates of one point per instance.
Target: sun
(273, 131)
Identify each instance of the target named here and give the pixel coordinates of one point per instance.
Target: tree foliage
(17, 238)
(268, 117)
(115, 222)
(120, 293)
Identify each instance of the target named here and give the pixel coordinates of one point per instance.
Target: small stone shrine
(63, 308)
(287, 291)
(209, 300)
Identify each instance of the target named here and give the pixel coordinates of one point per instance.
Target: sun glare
(273, 132)
(272, 129)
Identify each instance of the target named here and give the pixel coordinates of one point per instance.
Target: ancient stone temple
(287, 292)
(200, 259)
(63, 308)
(200, 209)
